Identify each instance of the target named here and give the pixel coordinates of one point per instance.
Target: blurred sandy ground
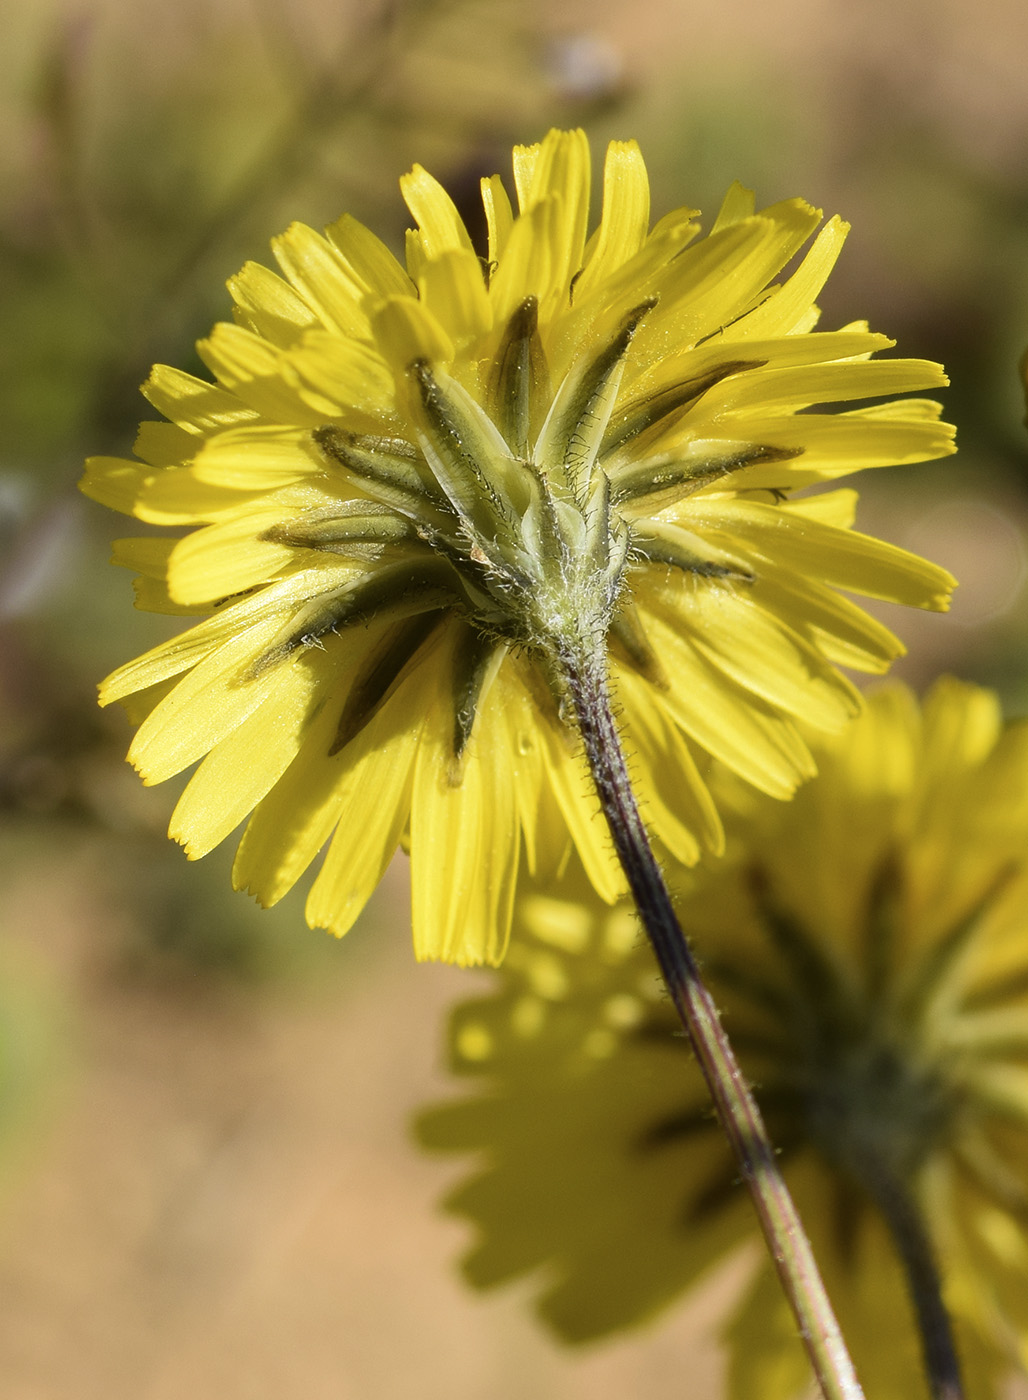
(227, 1204)
(208, 1189)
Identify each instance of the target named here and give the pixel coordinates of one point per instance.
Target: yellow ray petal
(790, 308)
(148, 554)
(526, 266)
(349, 375)
(731, 630)
(568, 778)
(194, 404)
(838, 507)
(558, 174)
(260, 375)
(464, 838)
(114, 482)
(168, 660)
(442, 228)
(962, 724)
(783, 352)
(245, 765)
(839, 443)
(268, 306)
(671, 794)
(596, 317)
(324, 282)
(260, 457)
(453, 289)
(191, 647)
(728, 722)
(713, 282)
(380, 761)
(842, 558)
(292, 823)
(151, 595)
(179, 497)
(232, 556)
(625, 218)
(205, 706)
(763, 391)
(368, 259)
(738, 204)
(498, 216)
(164, 444)
(407, 331)
(842, 631)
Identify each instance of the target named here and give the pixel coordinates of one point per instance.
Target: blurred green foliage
(152, 164)
(150, 153)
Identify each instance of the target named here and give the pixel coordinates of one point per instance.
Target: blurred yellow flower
(415, 494)
(867, 944)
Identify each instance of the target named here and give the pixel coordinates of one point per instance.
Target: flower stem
(897, 1204)
(786, 1239)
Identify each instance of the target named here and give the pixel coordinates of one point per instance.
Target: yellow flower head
(867, 944)
(414, 493)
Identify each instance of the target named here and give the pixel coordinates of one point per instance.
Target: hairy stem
(736, 1108)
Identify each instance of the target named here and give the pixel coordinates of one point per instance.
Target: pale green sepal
(663, 543)
(485, 485)
(581, 409)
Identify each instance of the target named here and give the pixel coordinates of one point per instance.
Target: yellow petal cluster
(867, 946)
(410, 492)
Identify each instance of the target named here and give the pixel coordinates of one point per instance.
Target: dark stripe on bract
(393, 465)
(653, 410)
(471, 660)
(668, 545)
(678, 478)
(364, 524)
(381, 671)
(629, 639)
(571, 435)
(520, 381)
(458, 439)
(403, 589)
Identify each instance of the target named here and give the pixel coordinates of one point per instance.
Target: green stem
(897, 1204)
(736, 1108)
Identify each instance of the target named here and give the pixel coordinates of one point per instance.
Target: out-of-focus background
(206, 1186)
